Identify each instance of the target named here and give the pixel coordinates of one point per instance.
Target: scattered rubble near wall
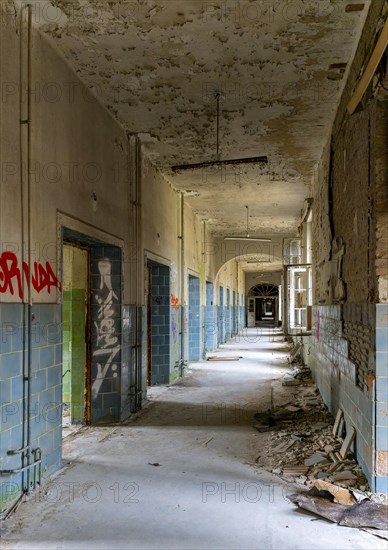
(313, 452)
(350, 271)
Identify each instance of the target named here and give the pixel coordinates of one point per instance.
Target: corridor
(182, 474)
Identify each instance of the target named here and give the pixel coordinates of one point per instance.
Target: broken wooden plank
(370, 70)
(341, 428)
(347, 442)
(338, 417)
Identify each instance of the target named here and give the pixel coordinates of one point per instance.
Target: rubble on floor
(305, 450)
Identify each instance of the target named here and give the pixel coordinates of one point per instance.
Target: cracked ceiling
(279, 66)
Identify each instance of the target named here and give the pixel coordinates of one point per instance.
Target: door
(76, 335)
(149, 326)
(251, 312)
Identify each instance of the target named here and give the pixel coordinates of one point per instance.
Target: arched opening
(263, 305)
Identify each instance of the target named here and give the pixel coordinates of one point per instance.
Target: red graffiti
(11, 276)
(174, 302)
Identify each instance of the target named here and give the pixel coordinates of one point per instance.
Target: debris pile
(303, 446)
(307, 448)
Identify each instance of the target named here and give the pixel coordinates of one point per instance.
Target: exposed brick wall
(359, 330)
(350, 258)
(380, 133)
(321, 231)
(352, 198)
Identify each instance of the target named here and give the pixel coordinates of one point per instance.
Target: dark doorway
(265, 309)
(194, 319)
(263, 300)
(158, 324)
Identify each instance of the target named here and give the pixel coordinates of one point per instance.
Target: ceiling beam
(370, 70)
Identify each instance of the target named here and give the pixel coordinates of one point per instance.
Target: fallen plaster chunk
(341, 496)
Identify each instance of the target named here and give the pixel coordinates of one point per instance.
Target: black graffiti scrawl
(106, 334)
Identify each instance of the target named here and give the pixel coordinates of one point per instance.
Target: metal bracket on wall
(37, 453)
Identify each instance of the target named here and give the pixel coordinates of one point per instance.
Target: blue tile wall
(381, 396)
(46, 388)
(227, 316)
(335, 375)
(234, 317)
(194, 319)
(210, 319)
(221, 317)
(160, 324)
(241, 314)
(131, 360)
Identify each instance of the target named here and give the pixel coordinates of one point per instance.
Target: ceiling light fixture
(218, 162)
(247, 237)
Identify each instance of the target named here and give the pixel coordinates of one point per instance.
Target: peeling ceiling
(279, 66)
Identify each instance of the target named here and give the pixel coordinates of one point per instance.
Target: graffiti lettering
(107, 340)
(11, 276)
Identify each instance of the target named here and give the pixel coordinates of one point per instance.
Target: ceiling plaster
(156, 64)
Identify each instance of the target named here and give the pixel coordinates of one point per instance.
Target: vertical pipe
(29, 66)
(22, 228)
(203, 300)
(182, 265)
(139, 276)
(136, 272)
(25, 182)
(373, 442)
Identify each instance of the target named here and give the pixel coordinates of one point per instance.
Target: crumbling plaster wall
(349, 258)
(69, 158)
(381, 200)
(78, 177)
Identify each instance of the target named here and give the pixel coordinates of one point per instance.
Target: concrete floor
(206, 492)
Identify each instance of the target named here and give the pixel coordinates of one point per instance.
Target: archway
(263, 305)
